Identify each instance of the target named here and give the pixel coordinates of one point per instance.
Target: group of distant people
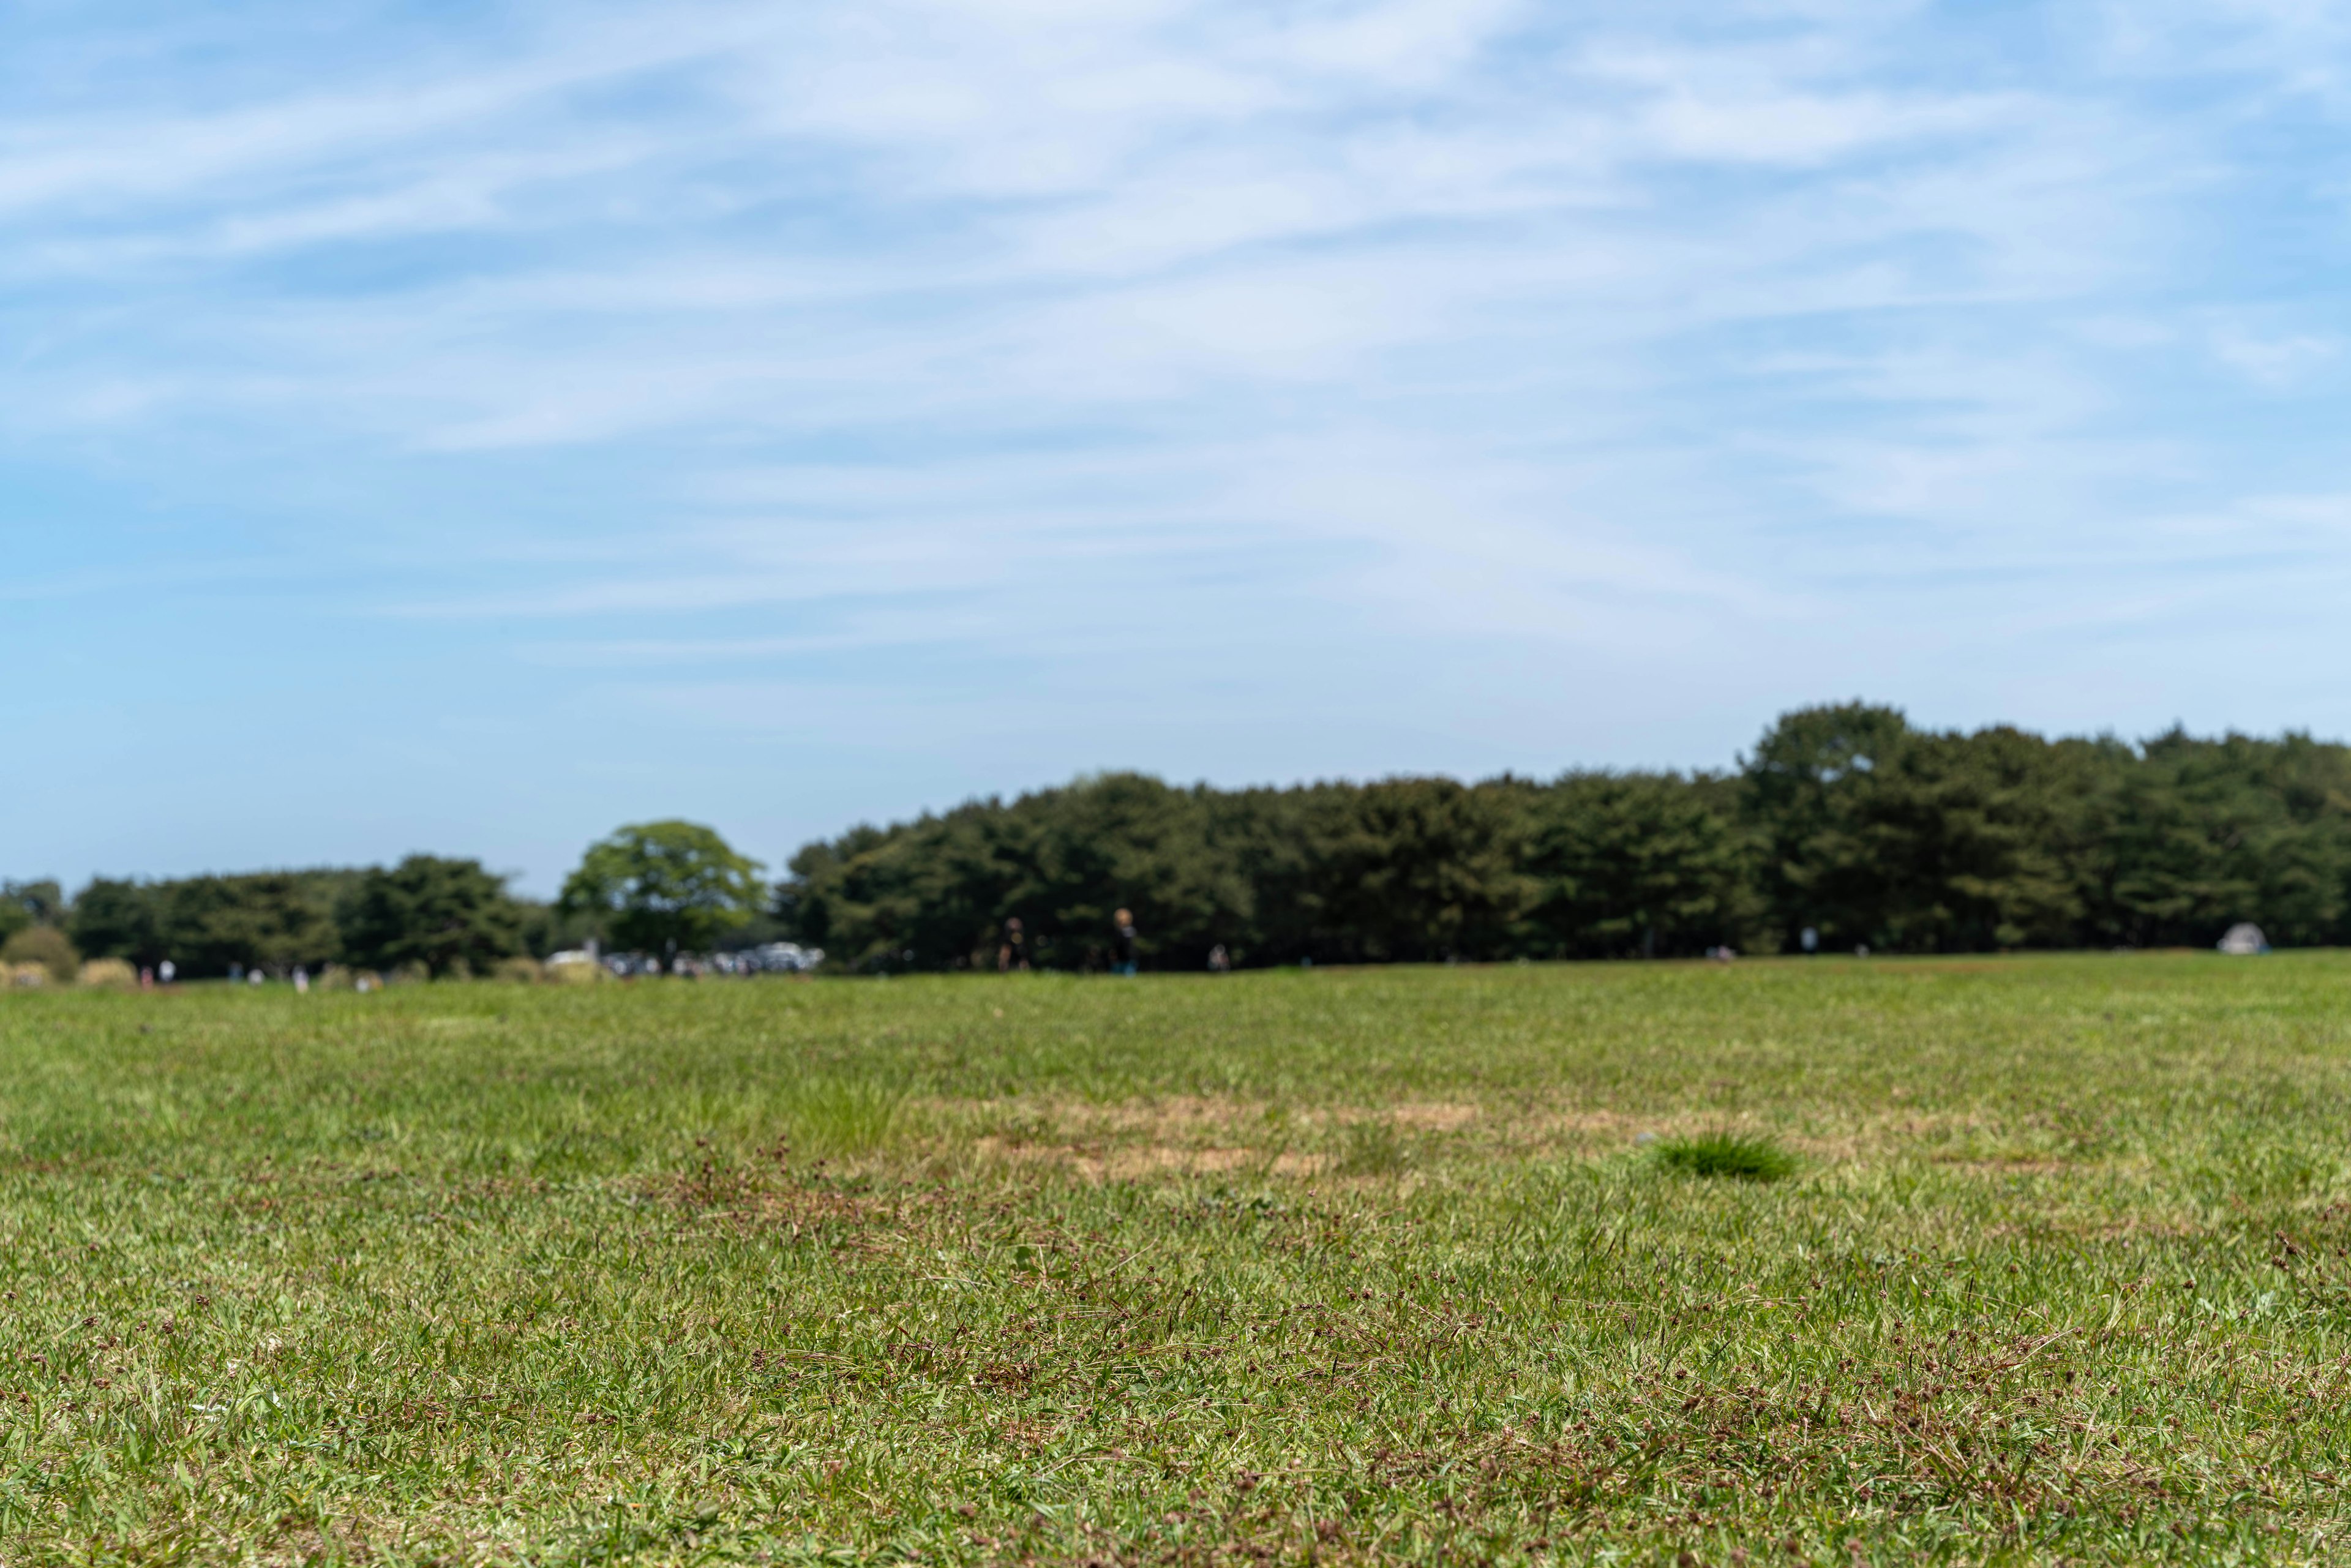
(1014, 955)
(163, 973)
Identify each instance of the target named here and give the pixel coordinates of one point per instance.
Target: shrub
(46, 946)
(517, 971)
(113, 973)
(24, 974)
(577, 972)
(1728, 1155)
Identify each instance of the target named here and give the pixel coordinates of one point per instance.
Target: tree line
(1845, 820)
(659, 887)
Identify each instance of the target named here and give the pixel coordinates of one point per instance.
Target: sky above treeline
(468, 428)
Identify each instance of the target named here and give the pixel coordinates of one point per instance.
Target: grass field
(1413, 1265)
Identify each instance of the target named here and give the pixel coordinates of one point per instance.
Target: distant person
(167, 971)
(1219, 961)
(1123, 942)
(146, 979)
(235, 972)
(301, 980)
(253, 976)
(1013, 953)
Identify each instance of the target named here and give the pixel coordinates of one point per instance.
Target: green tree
(29, 903)
(935, 893)
(1977, 842)
(268, 920)
(450, 915)
(114, 919)
(665, 887)
(1803, 790)
(1068, 860)
(1414, 870)
(1912, 840)
(1652, 864)
(2200, 833)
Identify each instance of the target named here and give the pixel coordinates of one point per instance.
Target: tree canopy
(450, 915)
(1844, 818)
(665, 887)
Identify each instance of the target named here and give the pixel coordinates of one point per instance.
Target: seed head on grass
(1728, 1155)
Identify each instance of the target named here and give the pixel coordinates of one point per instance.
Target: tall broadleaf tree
(664, 888)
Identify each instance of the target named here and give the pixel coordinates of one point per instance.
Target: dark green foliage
(1801, 790)
(450, 915)
(1844, 819)
(117, 920)
(1920, 842)
(1727, 1154)
(934, 893)
(269, 920)
(1880, 835)
(1650, 864)
(2203, 832)
(24, 904)
(1415, 869)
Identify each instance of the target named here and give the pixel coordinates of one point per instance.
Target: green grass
(1743, 1156)
(1340, 1267)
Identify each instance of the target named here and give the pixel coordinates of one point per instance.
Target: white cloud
(2275, 361)
(1558, 327)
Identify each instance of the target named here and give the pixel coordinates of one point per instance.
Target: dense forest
(1846, 820)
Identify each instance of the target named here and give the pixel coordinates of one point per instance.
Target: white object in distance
(2244, 939)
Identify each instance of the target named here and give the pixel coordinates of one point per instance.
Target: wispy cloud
(1572, 353)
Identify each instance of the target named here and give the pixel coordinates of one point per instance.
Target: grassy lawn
(1331, 1266)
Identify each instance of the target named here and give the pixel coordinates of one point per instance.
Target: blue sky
(469, 428)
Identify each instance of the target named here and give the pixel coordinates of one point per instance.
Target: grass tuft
(844, 1117)
(1728, 1155)
(1371, 1147)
